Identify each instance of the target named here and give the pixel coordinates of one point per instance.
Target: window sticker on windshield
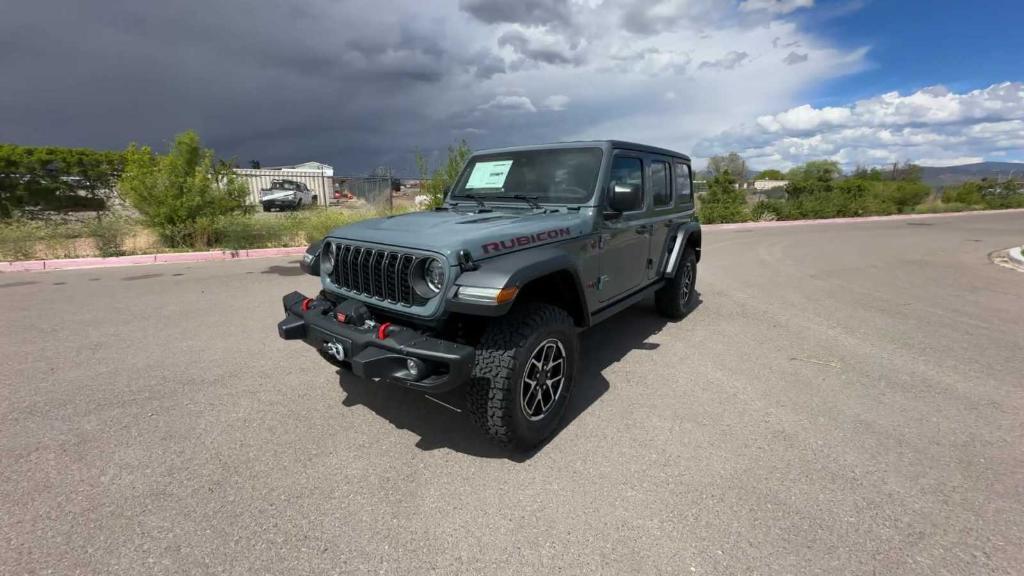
(489, 174)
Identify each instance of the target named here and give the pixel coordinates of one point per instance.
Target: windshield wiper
(531, 200)
(480, 203)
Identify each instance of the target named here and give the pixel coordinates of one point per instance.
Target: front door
(624, 240)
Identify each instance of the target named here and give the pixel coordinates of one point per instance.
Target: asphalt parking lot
(846, 398)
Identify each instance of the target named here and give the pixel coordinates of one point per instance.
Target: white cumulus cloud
(774, 6)
(932, 126)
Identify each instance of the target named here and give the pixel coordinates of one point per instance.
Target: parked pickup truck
(490, 291)
(286, 195)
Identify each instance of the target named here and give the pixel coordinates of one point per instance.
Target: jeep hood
(484, 234)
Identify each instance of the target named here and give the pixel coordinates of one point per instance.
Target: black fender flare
(516, 270)
(688, 232)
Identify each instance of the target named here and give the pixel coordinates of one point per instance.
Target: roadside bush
(723, 202)
(25, 240)
(49, 178)
(968, 193)
(992, 195)
(110, 235)
(769, 210)
(436, 184)
(183, 194)
(942, 207)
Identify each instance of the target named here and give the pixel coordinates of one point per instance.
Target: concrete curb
(1016, 256)
(167, 258)
(893, 218)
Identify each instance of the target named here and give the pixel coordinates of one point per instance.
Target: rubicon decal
(521, 241)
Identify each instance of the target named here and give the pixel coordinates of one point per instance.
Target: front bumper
(280, 203)
(448, 364)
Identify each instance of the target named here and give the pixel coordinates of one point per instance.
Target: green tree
(723, 202)
(56, 179)
(816, 171)
(771, 174)
(437, 184)
(732, 163)
(181, 194)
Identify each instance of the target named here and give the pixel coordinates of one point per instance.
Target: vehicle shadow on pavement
(441, 421)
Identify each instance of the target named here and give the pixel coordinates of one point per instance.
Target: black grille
(380, 274)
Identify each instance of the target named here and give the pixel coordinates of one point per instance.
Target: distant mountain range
(953, 175)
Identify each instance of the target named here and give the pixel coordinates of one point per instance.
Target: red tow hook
(305, 304)
(382, 332)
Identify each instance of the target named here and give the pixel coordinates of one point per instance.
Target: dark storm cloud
(726, 62)
(278, 83)
(527, 12)
(795, 58)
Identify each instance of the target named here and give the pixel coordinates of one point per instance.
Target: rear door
(662, 207)
(623, 240)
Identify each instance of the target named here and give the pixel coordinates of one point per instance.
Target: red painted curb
(170, 257)
(166, 258)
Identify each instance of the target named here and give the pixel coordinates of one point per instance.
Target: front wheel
(525, 369)
(676, 298)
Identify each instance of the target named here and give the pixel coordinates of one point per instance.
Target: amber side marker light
(487, 295)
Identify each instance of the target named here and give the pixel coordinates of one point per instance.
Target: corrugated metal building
(318, 177)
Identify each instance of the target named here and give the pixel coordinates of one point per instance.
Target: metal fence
(374, 190)
(258, 179)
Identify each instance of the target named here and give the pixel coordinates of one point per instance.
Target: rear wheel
(676, 298)
(525, 369)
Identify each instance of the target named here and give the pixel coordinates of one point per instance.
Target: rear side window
(629, 172)
(661, 189)
(683, 190)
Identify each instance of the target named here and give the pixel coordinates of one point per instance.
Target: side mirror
(622, 198)
(310, 263)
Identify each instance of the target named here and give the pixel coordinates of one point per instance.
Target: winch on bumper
(392, 352)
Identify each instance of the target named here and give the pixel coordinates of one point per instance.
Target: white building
(318, 167)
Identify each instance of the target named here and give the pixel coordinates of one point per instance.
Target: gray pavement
(847, 399)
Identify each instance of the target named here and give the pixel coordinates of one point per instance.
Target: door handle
(644, 229)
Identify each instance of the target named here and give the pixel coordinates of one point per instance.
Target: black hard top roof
(605, 144)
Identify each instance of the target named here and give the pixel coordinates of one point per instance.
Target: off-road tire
(502, 356)
(671, 300)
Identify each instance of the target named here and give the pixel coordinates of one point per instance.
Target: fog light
(417, 369)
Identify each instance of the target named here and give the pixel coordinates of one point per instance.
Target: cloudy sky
(359, 84)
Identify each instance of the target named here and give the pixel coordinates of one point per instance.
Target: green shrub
(110, 235)
(24, 239)
(723, 202)
(436, 184)
(967, 193)
(942, 207)
(55, 179)
(184, 194)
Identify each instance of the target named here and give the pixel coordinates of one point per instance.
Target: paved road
(846, 399)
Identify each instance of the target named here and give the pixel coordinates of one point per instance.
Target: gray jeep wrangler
(490, 291)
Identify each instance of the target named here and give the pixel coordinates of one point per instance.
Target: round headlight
(327, 258)
(428, 277)
(434, 275)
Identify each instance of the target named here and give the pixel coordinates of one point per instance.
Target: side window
(661, 188)
(683, 190)
(627, 182)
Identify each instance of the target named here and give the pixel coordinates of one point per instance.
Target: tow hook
(335, 350)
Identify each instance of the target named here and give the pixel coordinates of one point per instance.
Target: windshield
(284, 185)
(554, 176)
